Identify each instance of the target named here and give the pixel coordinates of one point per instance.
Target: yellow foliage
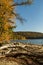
(5, 14)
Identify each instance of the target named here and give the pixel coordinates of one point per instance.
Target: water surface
(32, 41)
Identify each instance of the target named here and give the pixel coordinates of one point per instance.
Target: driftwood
(25, 51)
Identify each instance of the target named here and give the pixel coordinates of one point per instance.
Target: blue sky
(33, 15)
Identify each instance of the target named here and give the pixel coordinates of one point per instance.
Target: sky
(34, 17)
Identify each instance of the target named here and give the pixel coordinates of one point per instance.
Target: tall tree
(6, 14)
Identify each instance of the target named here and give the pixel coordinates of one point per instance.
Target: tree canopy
(6, 14)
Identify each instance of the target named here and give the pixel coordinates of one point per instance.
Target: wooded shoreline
(28, 35)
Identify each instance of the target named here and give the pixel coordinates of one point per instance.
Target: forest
(27, 35)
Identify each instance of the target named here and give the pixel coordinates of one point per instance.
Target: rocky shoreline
(21, 54)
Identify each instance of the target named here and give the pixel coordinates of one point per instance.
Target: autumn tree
(7, 13)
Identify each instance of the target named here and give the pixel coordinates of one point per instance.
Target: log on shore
(26, 52)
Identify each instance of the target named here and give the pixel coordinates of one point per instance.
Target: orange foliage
(5, 14)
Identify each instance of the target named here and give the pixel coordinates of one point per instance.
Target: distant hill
(28, 35)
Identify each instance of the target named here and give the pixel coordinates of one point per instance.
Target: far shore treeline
(27, 35)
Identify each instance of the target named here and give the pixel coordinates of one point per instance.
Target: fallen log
(32, 51)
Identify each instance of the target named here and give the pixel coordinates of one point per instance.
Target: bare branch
(22, 3)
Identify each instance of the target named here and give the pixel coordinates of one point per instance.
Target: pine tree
(6, 14)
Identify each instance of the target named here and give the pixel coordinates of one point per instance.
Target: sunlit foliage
(6, 14)
(5, 22)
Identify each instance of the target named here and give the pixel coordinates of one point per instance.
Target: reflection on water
(34, 41)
